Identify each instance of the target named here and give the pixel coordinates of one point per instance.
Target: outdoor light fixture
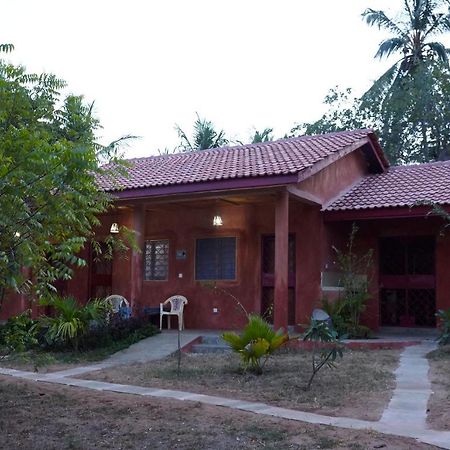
(17, 234)
(217, 221)
(114, 228)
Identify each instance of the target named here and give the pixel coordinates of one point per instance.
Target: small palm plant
(256, 343)
(72, 320)
(326, 347)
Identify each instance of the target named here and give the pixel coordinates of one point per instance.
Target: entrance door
(407, 281)
(100, 276)
(268, 278)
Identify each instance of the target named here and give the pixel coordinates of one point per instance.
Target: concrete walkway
(150, 349)
(404, 416)
(408, 406)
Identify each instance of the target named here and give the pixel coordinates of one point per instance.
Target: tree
(421, 20)
(49, 162)
(408, 105)
(262, 136)
(205, 137)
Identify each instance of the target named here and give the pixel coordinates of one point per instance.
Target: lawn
(39, 415)
(361, 385)
(439, 403)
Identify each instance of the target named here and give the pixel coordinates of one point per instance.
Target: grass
(360, 387)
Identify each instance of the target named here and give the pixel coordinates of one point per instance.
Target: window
(216, 259)
(156, 260)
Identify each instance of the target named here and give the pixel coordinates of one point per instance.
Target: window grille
(156, 260)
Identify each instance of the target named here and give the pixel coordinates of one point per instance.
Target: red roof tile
(283, 157)
(399, 186)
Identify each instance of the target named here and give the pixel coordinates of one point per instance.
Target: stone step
(409, 332)
(214, 340)
(210, 348)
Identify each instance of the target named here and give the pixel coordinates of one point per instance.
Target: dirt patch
(360, 387)
(439, 403)
(40, 415)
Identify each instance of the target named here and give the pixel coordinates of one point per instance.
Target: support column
(137, 264)
(280, 313)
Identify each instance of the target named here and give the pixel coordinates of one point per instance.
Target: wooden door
(407, 281)
(100, 276)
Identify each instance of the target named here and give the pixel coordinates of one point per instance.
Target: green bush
(19, 334)
(444, 326)
(256, 343)
(72, 321)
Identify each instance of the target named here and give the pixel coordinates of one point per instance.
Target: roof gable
(303, 155)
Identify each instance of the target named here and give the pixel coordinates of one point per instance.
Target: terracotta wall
(369, 233)
(337, 177)
(183, 224)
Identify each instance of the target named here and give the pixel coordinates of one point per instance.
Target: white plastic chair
(117, 302)
(177, 303)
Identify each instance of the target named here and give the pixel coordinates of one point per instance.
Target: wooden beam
(304, 196)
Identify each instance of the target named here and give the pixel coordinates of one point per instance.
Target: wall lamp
(114, 228)
(217, 221)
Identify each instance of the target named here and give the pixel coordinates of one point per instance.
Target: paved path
(408, 406)
(405, 415)
(150, 349)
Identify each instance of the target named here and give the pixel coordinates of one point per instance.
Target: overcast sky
(243, 64)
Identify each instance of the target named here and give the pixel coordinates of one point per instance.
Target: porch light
(217, 221)
(114, 228)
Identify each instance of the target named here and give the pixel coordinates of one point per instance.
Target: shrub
(444, 326)
(346, 311)
(256, 343)
(72, 320)
(117, 329)
(18, 334)
(326, 347)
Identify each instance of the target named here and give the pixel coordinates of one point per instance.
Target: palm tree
(262, 136)
(422, 20)
(205, 136)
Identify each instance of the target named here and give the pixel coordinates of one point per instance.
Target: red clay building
(260, 222)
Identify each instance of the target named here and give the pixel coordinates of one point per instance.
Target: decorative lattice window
(215, 259)
(156, 260)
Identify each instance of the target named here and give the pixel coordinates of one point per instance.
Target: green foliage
(205, 136)
(419, 21)
(345, 312)
(326, 347)
(72, 321)
(444, 326)
(18, 334)
(408, 105)
(49, 163)
(256, 343)
(262, 136)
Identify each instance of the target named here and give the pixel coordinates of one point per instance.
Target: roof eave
(206, 186)
(396, 212)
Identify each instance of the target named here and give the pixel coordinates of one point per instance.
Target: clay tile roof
(398, 186)
(283, 157)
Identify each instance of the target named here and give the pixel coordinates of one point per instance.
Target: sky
(243, 64)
